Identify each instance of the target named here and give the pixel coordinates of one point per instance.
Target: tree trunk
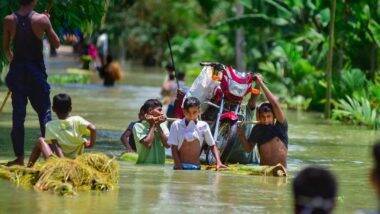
(240, 41)
(330, 60)
(122, 51)
(373, 62)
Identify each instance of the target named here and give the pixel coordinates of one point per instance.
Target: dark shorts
(27, 78)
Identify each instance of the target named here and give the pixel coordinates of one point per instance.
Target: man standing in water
(271, 134)
(27, 78)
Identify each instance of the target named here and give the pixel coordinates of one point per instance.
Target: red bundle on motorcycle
(235, 86)
(178, 111)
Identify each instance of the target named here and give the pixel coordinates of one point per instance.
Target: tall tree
(330, 56)
(240, 40)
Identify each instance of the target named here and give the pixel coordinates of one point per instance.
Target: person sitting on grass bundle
(271, 133)
(64, 136)
(127, 138)
(151, 134)
(187, 136)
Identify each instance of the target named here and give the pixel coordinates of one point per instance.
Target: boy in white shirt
(187, 136)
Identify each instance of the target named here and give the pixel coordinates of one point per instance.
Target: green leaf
(324, 17)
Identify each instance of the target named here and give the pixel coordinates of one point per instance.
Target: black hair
(25, 2)
(62, 103)
(150, 104)
(171, 76)
(169, 67)
(314, 189)
(191, 102)
(265, 107)
(109, 58)
(376, 157)
(181, 76)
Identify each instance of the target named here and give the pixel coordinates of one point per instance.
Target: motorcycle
(221, 97)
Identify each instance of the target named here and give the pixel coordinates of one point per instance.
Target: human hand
(220, 166)
(150, 119)
(258, 79)
(162, 118)
(87, 144)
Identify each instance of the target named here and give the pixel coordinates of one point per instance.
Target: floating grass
(66, 176)
(277, 170)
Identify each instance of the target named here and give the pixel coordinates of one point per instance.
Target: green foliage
(352, 81)
(298, 102)
(61, 79)
(84, 14)
(374, 94)
(356, 110)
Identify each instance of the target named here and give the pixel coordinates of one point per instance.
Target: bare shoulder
(10, 19)
(41, 18)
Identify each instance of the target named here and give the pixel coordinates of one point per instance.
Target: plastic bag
(203, 86)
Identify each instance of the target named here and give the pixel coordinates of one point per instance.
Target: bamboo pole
(239, 122)
(5, 101)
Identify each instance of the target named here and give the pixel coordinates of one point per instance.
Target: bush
(356, 110)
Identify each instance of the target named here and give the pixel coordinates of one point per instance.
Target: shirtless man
(27, 78)
(187, 136)
(271, 134)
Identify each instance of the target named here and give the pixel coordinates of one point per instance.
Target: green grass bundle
(66, 176)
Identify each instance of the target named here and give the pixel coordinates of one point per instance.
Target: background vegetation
(285, 40)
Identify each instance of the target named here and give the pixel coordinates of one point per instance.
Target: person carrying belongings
(64, 136)
(271, 133)
(110, 72)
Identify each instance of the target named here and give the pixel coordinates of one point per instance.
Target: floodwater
(346, 150)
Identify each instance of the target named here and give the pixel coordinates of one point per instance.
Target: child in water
(187, 136)
(151, 134)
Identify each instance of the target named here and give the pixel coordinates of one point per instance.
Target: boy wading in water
(64, 136)
(151, 134)
(271, 134)
(27, 78)
(187, 136)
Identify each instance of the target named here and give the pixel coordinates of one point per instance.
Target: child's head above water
(152, 106)
(62, 104)
(314, 190)
(265, 113)
(191, 108)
